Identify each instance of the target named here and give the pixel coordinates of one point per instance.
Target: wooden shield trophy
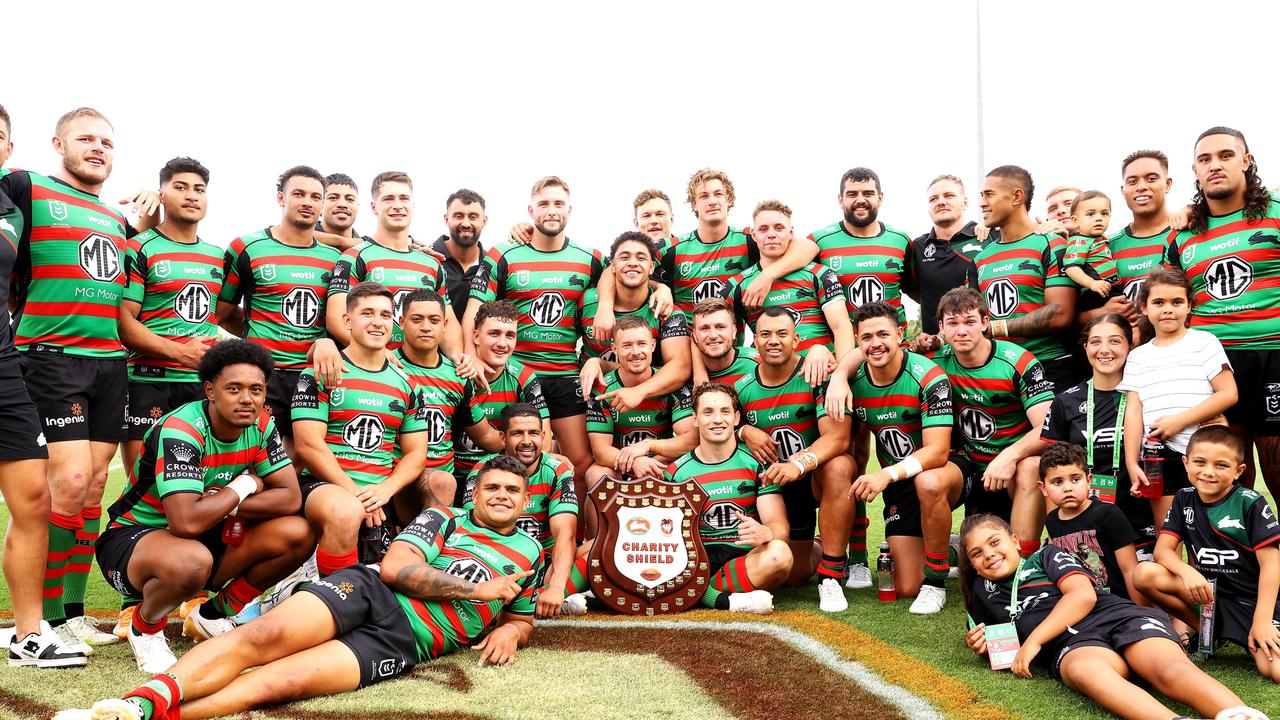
(648, 559)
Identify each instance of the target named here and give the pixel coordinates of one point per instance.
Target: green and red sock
(62, 541)
(76, 578)
(858, 534)
(142, 626)
(833, 566)
(577, 581)
(936, 567)
(230, 600)
(329, 563)
(158, 698)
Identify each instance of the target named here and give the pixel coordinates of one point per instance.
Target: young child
(1097, 533)
(1080, 636)
(1233, 535)
(1173, 384)
(1088, 258)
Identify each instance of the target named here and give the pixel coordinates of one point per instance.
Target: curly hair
(1256, 196)
(706, 175)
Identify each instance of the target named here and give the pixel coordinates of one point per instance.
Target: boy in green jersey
(363, 442)
(207, 469)
(447, 578)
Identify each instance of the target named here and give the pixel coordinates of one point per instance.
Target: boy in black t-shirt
(1097, 533)
(1234, 538)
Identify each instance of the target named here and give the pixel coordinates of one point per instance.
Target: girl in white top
(1173, 384)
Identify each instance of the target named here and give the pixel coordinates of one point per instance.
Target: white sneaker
(152, 652)
(1240, 712)
(831, 596)
(70, 640)
(574, 604)
(198, 628)
(112, 709)
(86, 628)
(954, 572)
(759, 602)
(930, 600)
(307, 572)
(44, 650)
(859, 577)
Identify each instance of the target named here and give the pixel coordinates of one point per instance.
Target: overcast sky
(617, 97)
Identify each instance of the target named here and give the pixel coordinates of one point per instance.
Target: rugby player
(362, 443)
(439, 589)
(1057, 205)
(714, 332)
(1139, 247)
(336, 226)
(205, 469)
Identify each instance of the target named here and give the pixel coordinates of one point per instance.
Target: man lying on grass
(449, 576)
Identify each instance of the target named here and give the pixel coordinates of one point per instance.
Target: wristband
(911, 467)
(243, 486)
(893, 473)
(799, 465)
(224, 335)
(999, 328)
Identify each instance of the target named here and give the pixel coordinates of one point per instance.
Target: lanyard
(1115, 438)
(1014, 610)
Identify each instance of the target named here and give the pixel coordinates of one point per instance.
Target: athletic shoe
(44, 650)
(831, 596)
(70, 641)
(859, 577)
(86, 628)
(954, 543)
(759, 602)
(124, 621)
(6, 634)
(306, 573)
(152, 652)
(1240, 712)
(198, 628)
(930, 600)
(574, 604)
(112, 709)
(188, 605)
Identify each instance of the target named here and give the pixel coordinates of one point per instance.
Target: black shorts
(280, 389)
(720, 555)
(1119, 627)
(1065, 372)
(1233, 619)
(370, 622)
(21, 437)
(115, 547)
(148, 401)
(902, 504)
(802, 507)
(564, 395)
(78, 398)
(1258, 377)
(308, 484)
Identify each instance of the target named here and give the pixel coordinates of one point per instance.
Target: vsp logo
(1212, 557)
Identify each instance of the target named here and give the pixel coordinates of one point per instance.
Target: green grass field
(935, 641)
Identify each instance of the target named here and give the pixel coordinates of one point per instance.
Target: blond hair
(706, 175)
(73, 115)
(549, 181)
(774, 205)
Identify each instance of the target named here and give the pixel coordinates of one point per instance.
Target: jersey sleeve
(828, 285)
(181, 452)
(235, 266)
(1214, 357)
(682, 403)
(310, 399)
(531, 392)
(1175, 519)
(343, 270)
(1055, 423)
(415, 413)
(527, 601)
(819, 401)
(490, 278)
(271, 455)
(1054, 276)
(468, 494)
(1172, 255)
(599, 417)
(935, 400)
(675, 326)
(135, 260)
(598, 264)
(1261, 524)
(429, 531)
(1059, 565)
(564, 499)
(471, 414)
(1077, 251)
(1033, 386)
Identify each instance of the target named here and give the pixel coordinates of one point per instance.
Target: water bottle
(1205, 646)
(233, 531)
(1153, 468)
(884, 572)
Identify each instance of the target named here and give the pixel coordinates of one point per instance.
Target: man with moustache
(465, 218)
(337, 222)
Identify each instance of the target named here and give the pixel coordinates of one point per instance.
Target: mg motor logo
(363, 433)
(1228, 277)
(301, 307)
(437, 425)
(707, 289)
(977, 424)
(895, 443)
(636, 436)
(400, 297)
(1133, 288)
(789, 442)
(722, 515)
(547, 309)
(1002, 297)
(866, 289)
(99, 257)
(193, 303)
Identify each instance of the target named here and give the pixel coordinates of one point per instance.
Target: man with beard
(551, 514)
(1140, 246)
(1032, 303)
(714, 332)
(546, 279)
(1230, 252)
(281, 275)
(465, 218)
(336, 227)
(68, 284)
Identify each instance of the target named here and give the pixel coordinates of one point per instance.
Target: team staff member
(465, 218)
(943, 257)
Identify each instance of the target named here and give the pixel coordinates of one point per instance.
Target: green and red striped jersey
(788, 412)
(445, 403)
(674, 326)
(745, 361)
(698, 270)
(284, 290)
(803, 294)
(70, 272)
(653, 418)
(1093, 254)
(12, 226)
(1014, 274)
(401, 272)
(547, 288)
(732, 486)
(870, 269)
(899, 413)
(181, 454)
(516, 383)
(451, 541)
(991, 401)
(364, 417)
(1137, 256)
(550, 493)
(1234, 269)
(177, 285)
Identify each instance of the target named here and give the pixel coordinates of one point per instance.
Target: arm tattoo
(1034, 324)
(424, 582)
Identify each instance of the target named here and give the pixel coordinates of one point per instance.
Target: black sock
(722, 602)
(73, 610)
(210, 611)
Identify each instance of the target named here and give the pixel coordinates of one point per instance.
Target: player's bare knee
(777, 558)
(930, 487)
(1146, 576)
(442, 487)
(294, 536)
(186, 571)
(1027, 475)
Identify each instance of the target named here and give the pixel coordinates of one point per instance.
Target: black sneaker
(44, 651)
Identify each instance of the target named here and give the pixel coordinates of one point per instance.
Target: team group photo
(318, 401)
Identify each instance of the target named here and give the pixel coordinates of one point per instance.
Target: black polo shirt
(457, 279)
(942, 265)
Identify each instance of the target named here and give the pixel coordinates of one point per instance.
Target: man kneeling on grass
(451, 574)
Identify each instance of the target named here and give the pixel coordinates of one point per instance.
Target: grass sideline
(921, 646)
